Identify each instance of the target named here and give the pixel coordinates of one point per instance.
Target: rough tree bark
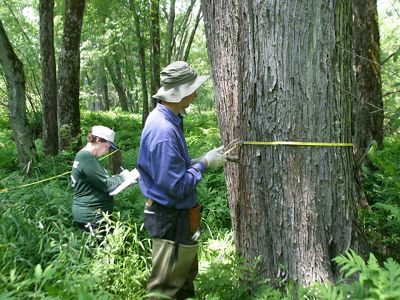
(49, 80)
(279, 75)
(68, 112)
(367, 103)
(14, 72)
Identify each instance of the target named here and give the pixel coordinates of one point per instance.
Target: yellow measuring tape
(300, 144)
(46, 179)
(288, 143)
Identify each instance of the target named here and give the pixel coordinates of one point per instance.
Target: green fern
(350, 263)
(392, 209)
(391, 279)
(372, 281)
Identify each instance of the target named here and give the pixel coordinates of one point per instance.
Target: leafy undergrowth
(381, 222)
(361, 280)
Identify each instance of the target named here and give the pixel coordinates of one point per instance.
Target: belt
(151, 202)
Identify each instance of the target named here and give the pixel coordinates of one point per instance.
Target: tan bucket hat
(178, 80)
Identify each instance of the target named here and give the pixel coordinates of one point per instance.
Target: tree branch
(390, 56)
(391, 92)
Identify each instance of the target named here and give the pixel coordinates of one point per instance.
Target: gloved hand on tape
(215, 158)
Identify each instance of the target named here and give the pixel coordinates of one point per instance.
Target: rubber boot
(169, 274)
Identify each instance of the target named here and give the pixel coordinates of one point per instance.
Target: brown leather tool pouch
(195, 217)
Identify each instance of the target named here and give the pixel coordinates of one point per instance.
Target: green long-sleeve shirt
(91, 184)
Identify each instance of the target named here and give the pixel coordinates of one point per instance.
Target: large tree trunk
(279, 76)
(68, 88)
(15, 78)
(155, 49)
(49, 81)
(367, 104)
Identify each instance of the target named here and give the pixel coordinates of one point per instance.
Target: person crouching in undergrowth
(92, 184)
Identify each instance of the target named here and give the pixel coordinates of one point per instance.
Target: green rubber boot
(169, 275)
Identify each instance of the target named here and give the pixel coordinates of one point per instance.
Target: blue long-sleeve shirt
(164, 163)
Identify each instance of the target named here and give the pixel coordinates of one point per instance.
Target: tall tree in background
(170, 33)
(29, 55)
(192, 34)
(155, 48)
(68, 112)
(116, 77)
(49, 81)
(367, 103)
(181, 33)
(14, 72)
(102, 86)
(142, 60)
(279, 75)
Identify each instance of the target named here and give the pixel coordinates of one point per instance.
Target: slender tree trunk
(101, 87)
(142, 62)
(104, 93)
(116, 78)
(155, 49)
(279, 75)
(120, 79)
(104, 87)
(130, 73)
(136, 95)
(192, 34)
(180, 50)
(49, 80)
(68, 88)
(182, 32)
(15, 78)
(170, 33)
(367, 104)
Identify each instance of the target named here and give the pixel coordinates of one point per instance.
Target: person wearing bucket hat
(91, 182)
(168, 179)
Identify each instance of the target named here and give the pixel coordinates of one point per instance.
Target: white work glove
(216, 158)
(196, 160)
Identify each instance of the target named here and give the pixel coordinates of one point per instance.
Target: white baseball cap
(104, 133)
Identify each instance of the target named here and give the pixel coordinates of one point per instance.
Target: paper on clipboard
(132, 178)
